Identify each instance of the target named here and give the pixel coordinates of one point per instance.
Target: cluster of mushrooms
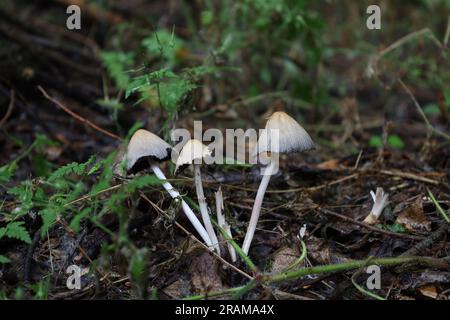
(147, 149)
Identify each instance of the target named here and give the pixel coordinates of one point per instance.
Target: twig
(416, 249)
(407, 175)
(10, 108)
(79, 118)
(87, 196)
(369, 227)
(346, 266)
(422, 114)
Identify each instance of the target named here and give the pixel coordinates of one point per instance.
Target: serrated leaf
(48, 218)
(71, 168)
(7, 171)
(16, 230)
(75, 222)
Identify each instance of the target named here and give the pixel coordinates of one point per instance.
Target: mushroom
(146, 148)
(192, 153)
(380, 201)
(282, 134)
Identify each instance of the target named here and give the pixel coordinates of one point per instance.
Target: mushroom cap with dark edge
(191, 151)
(292, 136)
(143, 147)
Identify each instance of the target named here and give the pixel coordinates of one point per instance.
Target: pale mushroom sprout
(146, 148)
(223, 223)
(380, 201)
(282, 135)
(192, 153)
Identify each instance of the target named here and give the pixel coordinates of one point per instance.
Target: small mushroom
(192, 153)
(380, 201)
(282, 135)
(223, 223)
(146, 148)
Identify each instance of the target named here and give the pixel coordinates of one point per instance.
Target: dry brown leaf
(204, 272)
(329, 165)
(283, 258)
(429, 291)
(413, 218)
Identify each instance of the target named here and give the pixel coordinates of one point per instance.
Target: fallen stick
(78, 117)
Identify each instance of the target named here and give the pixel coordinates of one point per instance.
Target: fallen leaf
(204, 272)
(413, 218)
(329, 165)
(283, 258)
(429, 291)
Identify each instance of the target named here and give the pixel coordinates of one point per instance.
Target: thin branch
(79, 118)
(10, 107)
(420, 111)
(371, 228)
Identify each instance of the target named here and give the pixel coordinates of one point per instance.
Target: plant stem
(204, 208)
(187, 210)
(443, 263)
(257, 208)
(347, 266)
(438, 206)
(238, 249)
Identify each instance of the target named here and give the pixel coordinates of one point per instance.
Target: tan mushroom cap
(145, 145)
(191, 151)
(291, 135)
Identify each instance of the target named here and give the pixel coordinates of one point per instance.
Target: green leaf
(145, 82)
(173, 91)
(15, 230)
(376, 142)
(396, 227)
(71, 168)
(48, 215)
(116, 64)
(207, 17)
(41, 167)
(75, 223)
(395, 142)
(163, 44)
(141, 182)
(431, 109)
(106, 175)
(24, 195)
(138, 264)
(4, 259)
(7, 171)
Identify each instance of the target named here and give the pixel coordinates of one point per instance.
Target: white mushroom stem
(187, 210)
(257, 206)
(223, 224)
(204, 208)
(380, 201)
